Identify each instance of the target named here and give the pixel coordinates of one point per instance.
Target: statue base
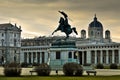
(63, 43)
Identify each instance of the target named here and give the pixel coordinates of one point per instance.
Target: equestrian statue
(64, 26)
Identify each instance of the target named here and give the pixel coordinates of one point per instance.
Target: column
(101, 57)
(72, 56)
(40, 57)
(27, 57)
(35, 57)
(95, 57)
(119, 56)
(106, 56)
(88, 54)
(31, 57)
(82, 57)
(113, 57)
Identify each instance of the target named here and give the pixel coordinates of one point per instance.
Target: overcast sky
(41, 17)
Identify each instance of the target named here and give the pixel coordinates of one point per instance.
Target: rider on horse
(64, 25)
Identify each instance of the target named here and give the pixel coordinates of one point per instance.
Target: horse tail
(74, 29)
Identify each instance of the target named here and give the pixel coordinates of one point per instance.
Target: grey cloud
(84, 5)
(43, 13)
(29, 1)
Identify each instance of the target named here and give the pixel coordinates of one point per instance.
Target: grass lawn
(61, 78)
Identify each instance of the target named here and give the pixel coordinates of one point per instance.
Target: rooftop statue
(64, 26)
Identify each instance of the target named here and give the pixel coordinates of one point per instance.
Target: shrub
(12, 69)
(87, 64)
(43, 69)
(79, 71)
(99, 66)
(24, 64)
(113, 66)
(71, 69)
(35, 64)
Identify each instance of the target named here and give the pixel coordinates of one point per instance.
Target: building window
(15, 41)
(43, 57)
(2, 42)
(15, 58)
(15, 51)
(85, 55)
(116, 56)
(2, 34)
(2, 60)
(104, 56)
(14, 35)
(98, 56)
(70, 55)
(29, 57)
(38, 57)
(110, 56)
(91, 33)
(92, 57)
(58, 55)
(2, 51)
(98, 33)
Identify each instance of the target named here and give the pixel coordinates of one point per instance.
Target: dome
(107, 31)
(95, 23)
(83, 31)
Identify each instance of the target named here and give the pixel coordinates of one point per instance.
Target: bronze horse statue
(64, 25)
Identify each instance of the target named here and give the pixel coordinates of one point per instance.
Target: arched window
(15, 42)
(2, 42)
(2, 34)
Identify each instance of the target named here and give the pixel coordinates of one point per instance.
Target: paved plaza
(103, 72)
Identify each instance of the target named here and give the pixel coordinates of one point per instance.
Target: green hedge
(72, 69)
(113, 66)
(99, 66)
(12, 69)
(43, 69)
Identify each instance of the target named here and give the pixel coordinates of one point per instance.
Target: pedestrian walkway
(103, 72)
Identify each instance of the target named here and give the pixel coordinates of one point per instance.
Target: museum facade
(57, 50)
(10, 43)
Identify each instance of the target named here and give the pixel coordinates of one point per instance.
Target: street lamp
(48, 62)
(77, 54)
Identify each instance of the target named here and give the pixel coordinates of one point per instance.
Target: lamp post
(77, 54)
(48, 62)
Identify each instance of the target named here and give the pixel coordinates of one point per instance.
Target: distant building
(96, 48)
(92, 50)
(10, 43)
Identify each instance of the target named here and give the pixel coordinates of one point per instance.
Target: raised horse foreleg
(54, 31)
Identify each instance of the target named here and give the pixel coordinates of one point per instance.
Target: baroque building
(93, 49)
(10, 43)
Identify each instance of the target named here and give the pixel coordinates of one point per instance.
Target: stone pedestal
(60, 52)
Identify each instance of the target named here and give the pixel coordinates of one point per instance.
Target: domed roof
(107, 31)
(95, 23)
(83, 30)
